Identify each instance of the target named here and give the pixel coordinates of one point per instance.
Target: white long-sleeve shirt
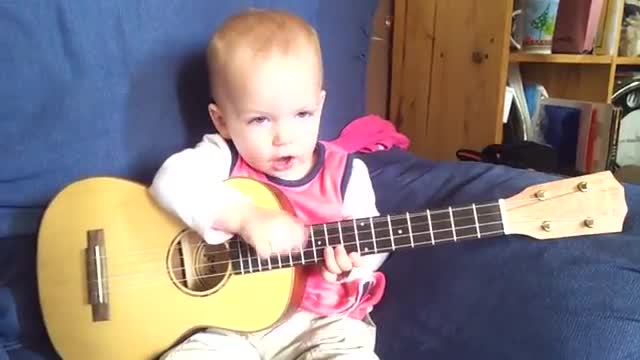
(190, 185)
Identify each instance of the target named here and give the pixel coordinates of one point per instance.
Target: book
(584, 133)
(614, 135)
(576, 26)
(607, 36)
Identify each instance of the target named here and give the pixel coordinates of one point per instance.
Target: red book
(576, 26)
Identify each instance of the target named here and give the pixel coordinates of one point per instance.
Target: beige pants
(303, 336)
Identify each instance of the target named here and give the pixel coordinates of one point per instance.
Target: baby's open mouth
(282, 163)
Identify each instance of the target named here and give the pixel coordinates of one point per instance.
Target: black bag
(522, 155)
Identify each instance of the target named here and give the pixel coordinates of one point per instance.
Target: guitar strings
(161, 278)
(382, 218)
(535, 200)
(310, 260)
(236, 271)
(345, 232)
(513, 204)
(363, 243)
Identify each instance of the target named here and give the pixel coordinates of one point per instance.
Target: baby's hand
(337, 262)
(272, 231)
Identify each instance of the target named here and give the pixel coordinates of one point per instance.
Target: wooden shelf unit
(521, 57)
(622, 60)
(449, 76)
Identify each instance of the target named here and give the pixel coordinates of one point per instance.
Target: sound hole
(196, 267)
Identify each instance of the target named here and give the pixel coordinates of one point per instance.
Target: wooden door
(449, 70)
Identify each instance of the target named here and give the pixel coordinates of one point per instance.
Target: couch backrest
(112, 88)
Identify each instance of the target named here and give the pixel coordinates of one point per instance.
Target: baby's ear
(218, 120)
(323, 96)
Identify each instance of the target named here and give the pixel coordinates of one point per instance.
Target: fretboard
(380, 234)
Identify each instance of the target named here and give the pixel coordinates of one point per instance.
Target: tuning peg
(541, 195)
(583, 186)
(589, 222)
(546, 226)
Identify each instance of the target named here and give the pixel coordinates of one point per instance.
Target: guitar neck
(381, 234)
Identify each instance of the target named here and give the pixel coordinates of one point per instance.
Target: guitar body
(148, 307)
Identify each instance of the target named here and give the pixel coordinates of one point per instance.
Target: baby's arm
(190, 185)
(360, 201)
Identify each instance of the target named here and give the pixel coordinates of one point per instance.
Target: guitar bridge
(97, 285)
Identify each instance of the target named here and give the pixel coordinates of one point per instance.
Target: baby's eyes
(258, 120)
(304, 114)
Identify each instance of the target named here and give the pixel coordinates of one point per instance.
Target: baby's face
(273, 115)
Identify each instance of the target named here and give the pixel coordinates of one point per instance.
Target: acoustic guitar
(119, 278)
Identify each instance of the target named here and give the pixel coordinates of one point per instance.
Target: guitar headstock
(584, 205)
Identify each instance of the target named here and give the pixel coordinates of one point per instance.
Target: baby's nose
(283, 136)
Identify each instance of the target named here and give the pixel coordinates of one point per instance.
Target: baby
(266, 77)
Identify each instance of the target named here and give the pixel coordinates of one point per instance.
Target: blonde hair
(257, 33)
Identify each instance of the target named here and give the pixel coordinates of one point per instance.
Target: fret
(243, 244)
(345, 234)
(269, 262)
(241, 263)
(475, 217)
(380, 234)
(359, 239)
(326, 236)
(453, 225)
(254, 258)
(490, 218)
(258, 261)
(410, 230)
(340, 233)
(364, 236)
(393, 243)
(373, 236)
(441, 226)
(310, 255)
(333, 233)
(313, 243)
(401, 231)
(240, 256)
(355, 233)
(419, 230)
(465, 222)
(433, 240)
(357, 243)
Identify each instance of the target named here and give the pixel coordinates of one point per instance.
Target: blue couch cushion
(113, 88)
(509, 297)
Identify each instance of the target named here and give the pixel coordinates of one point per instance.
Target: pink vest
(318, 198)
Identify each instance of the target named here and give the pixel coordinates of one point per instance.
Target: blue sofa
(113, 88)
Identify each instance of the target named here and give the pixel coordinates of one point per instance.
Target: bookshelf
(520, 57)
(622, 60)
(448, 85)
(581, 77)
(517, 57)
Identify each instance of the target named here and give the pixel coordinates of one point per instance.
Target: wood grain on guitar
(113, 268)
